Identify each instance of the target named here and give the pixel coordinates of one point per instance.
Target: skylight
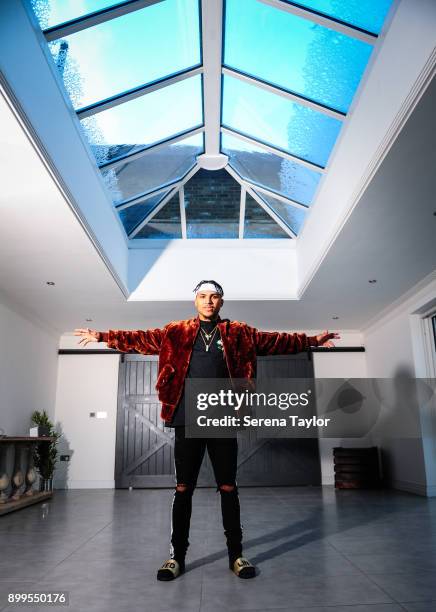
(365, 14)
(108, 59)
(284, 124)
(293, 53)
(139, 175)
(148, 119)
(134, 73)
(262, 167)
(212, 201)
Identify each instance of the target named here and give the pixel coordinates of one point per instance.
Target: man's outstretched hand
(324, 339)
(88, 335)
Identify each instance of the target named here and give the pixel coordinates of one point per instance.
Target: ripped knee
(227, 488)
(183, 488)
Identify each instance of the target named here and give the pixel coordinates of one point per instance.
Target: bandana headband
(209, 286)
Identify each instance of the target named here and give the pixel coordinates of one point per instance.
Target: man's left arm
(284, 343)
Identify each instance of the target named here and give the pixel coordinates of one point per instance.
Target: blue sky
(133, 49)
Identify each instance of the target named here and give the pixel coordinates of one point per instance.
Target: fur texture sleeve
(147, 342)
(281, 343)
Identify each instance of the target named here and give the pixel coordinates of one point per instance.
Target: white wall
(395, 347)
(339, 365)
(87, 383)
(28, 368)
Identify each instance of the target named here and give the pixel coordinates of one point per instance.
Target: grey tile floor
(316, 549)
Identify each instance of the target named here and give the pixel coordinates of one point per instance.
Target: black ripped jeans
(188, 457)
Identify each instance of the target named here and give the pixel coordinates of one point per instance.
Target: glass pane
(166, 224)
(212, 203)
(271, 171)
(292, 216)
(294, 53)
(279, 122)
(153, 170)
(129, 51)
(54, 12)
(365, 14)
(258, 223)
(131, 217)
(146, 120)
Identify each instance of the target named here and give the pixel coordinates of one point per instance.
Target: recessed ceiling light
(51, 283)
(372, 281)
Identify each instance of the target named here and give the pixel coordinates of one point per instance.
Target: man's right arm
(147, 342)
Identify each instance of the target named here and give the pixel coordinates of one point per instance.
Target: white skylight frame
(177, 187)
(152, 148)
(97, 17)
(212, 71)
(137, 92)
(323, 20)
(247, 187)
(325, 110)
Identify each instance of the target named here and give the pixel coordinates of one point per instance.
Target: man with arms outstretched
(203, 347)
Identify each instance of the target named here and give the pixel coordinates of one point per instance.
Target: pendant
(207, 347)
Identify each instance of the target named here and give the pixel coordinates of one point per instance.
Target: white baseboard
(411, 487)
(401, 485)
(431, 491)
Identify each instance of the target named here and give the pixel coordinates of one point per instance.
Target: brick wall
(212, 200)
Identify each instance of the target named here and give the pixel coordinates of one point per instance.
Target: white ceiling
(389, 236)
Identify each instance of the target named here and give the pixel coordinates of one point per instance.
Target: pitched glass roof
(366, 14)
(164, 165)
(52, 14)
(107, 59)
(133, 216)
(292, 216)
(212, 201)
(149, 119)
(258, 223)
(293, 53)
(261, 167)
(270, 118)
(165, 224)
(134, 73)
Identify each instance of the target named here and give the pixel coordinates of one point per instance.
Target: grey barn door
(145, 446)
(144, 454)
(286, 461)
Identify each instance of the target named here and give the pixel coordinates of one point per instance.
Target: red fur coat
(173, 344)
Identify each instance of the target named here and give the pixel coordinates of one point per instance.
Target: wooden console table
(18, 474)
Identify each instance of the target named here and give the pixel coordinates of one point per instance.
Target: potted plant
(45, 453)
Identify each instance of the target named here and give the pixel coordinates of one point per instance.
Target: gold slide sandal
(170, 570)
(243, 568)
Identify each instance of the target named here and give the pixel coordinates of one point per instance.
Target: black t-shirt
(203, 364)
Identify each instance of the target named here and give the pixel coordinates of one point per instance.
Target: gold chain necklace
(210, 334)
(209, 337)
